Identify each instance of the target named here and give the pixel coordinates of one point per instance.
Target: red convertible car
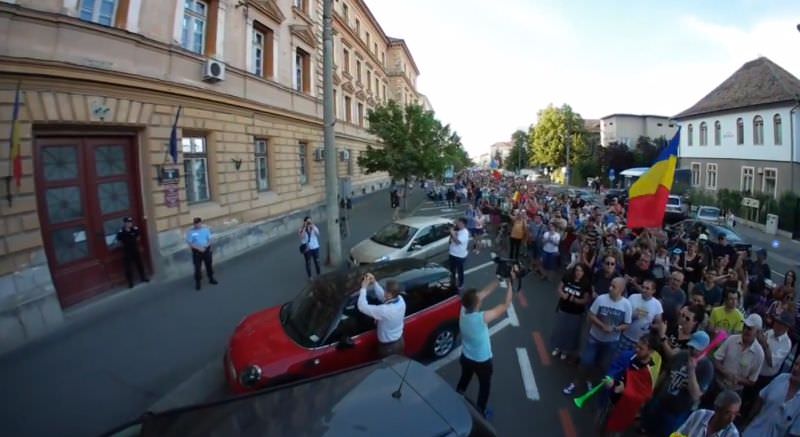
(321, 331)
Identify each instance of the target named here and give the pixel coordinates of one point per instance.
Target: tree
(616, 156)
(645, 153)
(554, 129)
(414, 143)
(518, 156)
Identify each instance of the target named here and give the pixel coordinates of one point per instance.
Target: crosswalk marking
(528, 380)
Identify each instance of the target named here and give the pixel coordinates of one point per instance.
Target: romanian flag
(648, 195)
(15, 144)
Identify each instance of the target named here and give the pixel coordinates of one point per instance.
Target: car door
(431, 305)
(420, 246)
(353, 342)
(442, 235)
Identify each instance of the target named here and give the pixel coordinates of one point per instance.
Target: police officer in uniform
(128, 237)
(199, 240)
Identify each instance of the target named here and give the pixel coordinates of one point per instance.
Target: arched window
(690, 133)
(739, 131)
(717, 133)
(703, 134)
(777, 129)
(758, 130)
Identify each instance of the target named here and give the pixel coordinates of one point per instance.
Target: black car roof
(354, 402)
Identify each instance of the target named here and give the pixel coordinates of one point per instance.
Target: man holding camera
(389, 314)
(459, 241)
(309, 247)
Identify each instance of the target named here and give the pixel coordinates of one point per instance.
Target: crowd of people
(688, 334)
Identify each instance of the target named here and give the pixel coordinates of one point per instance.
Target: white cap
(754, 321)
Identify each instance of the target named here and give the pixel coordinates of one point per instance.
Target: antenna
(398, 393)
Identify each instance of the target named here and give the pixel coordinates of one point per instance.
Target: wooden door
(85, 187)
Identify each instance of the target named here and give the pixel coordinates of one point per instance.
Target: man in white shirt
(388, 315)
(646, 311)
(459, 248)
(738, 361)
(776, 345)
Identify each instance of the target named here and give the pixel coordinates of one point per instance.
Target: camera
(504, 268)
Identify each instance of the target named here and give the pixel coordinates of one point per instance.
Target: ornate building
(101, 83)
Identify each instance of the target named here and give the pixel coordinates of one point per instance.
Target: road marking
(567, 425)
(478, 267)
(541, 348)
(512, 315)
(455, 353)
(531, 390)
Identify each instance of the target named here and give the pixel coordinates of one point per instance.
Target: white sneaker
(555, 352)
(563, 356)
(503, 283)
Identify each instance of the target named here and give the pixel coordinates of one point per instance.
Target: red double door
(85, 186)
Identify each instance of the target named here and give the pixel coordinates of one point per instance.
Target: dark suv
(392, 397)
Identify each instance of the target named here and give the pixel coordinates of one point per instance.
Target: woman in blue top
(476, 347)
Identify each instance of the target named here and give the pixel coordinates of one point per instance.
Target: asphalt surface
(160, 346)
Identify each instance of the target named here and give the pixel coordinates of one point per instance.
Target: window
(335, 106)
(384, 93)
(758, 130)
(777, 129)
(361, 114)
(695, 174)
(358, 28)
(348, 105)
(345, 13)
(262, 50)
(195, 168)
(369, 80)
(366, 37)
(770, 182)
(711, 176)
(717, 133)
(346, 60)
(195, 15)
(302, 68)
(383, 59)
(690, 134)
(703, 134)
(739, 131)
(377, 89)
(262, 166)
(747, 179)
(375, 49)
(302, 5)
(358, 71)
(303, 158)
(99, 11)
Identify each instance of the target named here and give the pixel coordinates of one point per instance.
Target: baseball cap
(699, 340)
(703, 237)
(785, 319)
(754, 321)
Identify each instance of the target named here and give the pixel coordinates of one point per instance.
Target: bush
(699, 197)
(728, 199)
(788, 211)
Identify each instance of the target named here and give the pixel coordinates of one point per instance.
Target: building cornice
(268, 8)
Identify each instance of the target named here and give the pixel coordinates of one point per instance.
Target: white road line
(498, 326)
(531, 390)
(478, 267)
(512, 315)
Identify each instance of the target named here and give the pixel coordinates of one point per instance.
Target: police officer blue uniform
(128, 237)
(199, 240)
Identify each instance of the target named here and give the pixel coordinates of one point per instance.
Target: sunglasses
(610, 264)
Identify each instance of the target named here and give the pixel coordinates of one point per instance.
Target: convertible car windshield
(394, 235)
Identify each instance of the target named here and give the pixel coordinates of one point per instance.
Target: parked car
(710, 214)
(321, 331)
(411, 237)
(392, 397)
(693, 227)
(677, 208)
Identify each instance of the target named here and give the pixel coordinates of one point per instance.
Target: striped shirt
(697, 426)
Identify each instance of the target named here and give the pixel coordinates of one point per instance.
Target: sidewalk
(114, 358)
(788, 250)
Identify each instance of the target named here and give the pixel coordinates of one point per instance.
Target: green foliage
(556, 127)
(788, 211)
(414, 143)
(730, 199)
(699, 197)
(518, 156)
(645, 153)
(617, 156)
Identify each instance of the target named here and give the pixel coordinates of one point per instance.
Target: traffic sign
(612, 174)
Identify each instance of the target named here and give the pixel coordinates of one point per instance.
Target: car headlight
(250, 376)
(383, 258)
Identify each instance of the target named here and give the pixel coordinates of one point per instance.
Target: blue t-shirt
(199, 236)
(475, 342)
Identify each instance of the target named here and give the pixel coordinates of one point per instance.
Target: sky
(488, 67)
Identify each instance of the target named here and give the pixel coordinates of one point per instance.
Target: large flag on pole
(173, 138)
(16, 143)
(648, 195)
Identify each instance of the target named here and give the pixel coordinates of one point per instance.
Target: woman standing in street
(309, 244)
(574, 294)
(550, 257)
(519, 233)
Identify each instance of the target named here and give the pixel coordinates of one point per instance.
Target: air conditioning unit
(319, 154)
(344, 155)
(213, 70)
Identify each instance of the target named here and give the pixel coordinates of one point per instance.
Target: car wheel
(443, 341)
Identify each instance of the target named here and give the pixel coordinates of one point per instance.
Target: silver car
(710, 214)
(411, 237)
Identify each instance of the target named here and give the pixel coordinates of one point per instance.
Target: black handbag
(303, 248)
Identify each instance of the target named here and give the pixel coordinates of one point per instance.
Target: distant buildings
(745, 134)
(503, 147)
(627, 128)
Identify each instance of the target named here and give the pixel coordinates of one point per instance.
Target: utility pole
(566, 168)
(329, 122)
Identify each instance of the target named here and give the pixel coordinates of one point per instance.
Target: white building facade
(743, 137)
(627, 128)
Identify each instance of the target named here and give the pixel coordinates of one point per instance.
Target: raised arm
(500, 309)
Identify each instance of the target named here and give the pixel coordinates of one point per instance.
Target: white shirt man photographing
(389, 314)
